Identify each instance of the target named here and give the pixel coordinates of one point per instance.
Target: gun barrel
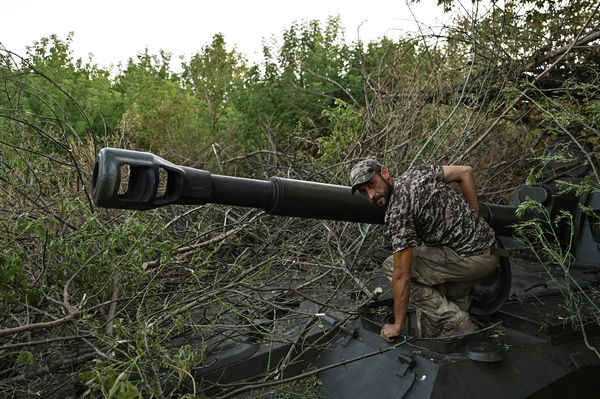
(155, 182)
(501, 218)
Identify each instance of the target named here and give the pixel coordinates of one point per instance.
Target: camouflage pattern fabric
(362, 172)
(423, 209)
(441, 284)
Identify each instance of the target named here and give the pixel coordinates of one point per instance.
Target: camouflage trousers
(441, 285)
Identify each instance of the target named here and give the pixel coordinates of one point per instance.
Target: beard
(386, 196)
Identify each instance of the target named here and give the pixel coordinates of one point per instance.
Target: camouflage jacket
(423, 210)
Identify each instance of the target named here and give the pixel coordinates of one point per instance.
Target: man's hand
(389, 332)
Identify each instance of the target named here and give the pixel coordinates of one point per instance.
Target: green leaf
(26, 357)
(115, 387)
(87, 375)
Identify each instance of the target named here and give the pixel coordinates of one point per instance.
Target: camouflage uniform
(452, 246)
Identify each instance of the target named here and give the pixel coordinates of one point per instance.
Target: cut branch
(561, 50)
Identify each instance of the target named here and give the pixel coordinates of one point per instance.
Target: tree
(51, 69)
(158, 113)
(300, 77)
(210, 74)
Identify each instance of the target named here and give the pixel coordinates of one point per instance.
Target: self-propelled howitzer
(542, 359)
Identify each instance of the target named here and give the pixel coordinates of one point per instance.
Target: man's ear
(385, 173)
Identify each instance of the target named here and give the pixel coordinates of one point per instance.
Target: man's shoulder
(423, 170)
(417, 176)
(413, 187)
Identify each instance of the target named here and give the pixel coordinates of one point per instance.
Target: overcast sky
(115, 30)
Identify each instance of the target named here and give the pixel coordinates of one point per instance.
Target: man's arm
(463, 175)
(401, 288)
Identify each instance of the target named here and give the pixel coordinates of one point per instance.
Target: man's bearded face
(377, 190)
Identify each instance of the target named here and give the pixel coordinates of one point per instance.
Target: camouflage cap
(362, 172)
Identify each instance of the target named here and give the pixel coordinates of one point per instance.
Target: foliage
(210, 75)
(74, 85)
(158, 114)
(346, 128)
(543, 235)
(135, 301)
(303, 76)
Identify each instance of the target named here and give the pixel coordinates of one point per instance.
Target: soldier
(441, 245)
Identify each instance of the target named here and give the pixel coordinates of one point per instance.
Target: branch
(48, 369)
(248, 155)
(43, 341)
(73, 311)
(113, 303)
(524, 92)
(198, 301)
(37, 326)
(561, 50)
(184, 251)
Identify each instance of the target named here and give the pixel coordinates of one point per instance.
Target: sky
(115, 30)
